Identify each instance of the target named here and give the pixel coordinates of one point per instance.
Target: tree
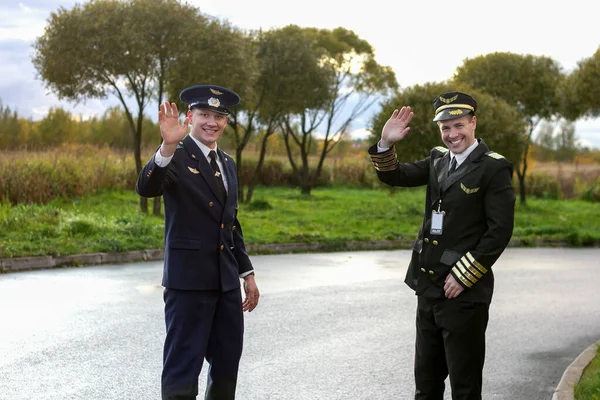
(545, 141)
(581, 89)
(10, 129)
(529, 83)
(275, 72)
(498, 123)
(290, 80)
(109, 47)
(356, 77)
(56, 128)
(224, 56)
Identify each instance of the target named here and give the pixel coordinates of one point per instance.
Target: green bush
(543, 186)
(592, 192)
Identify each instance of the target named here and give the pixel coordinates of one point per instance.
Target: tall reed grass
(72, 171)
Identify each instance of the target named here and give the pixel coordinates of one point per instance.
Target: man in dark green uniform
(468, 222)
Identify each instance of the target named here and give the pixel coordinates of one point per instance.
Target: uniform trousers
(450, 341)
(202, 325)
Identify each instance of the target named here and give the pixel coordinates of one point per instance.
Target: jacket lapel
(202, 165)
(440, 169)
(230, 175)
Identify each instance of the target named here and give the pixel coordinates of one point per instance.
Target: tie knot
(213, 155)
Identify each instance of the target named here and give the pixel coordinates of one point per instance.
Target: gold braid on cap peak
(468, 107)
(385, 161)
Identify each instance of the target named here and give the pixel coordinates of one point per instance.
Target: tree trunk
(522, 189)
(144, 205)
(238, 166)
(156, 208)
(255, 176)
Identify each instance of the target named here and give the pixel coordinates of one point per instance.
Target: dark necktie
(452, 166)
(215, 167)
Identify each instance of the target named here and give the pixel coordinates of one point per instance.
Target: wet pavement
(329, 326)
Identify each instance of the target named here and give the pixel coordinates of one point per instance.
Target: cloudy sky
(423, 41)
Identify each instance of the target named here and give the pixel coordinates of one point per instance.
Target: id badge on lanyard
(437, 221)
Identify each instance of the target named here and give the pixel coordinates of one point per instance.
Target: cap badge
(455, 112)
(448, 101)
(213, 102)
(215, 92)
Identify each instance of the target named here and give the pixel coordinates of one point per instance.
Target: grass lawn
(110, 221)
(588, 387)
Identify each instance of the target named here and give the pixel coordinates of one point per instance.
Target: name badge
(437, 221)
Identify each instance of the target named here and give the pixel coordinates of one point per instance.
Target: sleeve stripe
(466, 273)
(385, 161)
(471, 268)
(462, 279)
(475, 263)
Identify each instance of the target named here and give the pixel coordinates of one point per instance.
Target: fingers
(250, 303)
(452, 288)
(251, 300)
(168, 110)
(186, 122)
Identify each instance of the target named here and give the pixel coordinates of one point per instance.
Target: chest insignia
(193, 170)
(467, 190)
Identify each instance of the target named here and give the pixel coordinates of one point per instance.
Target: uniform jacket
(477, 201)
(204, 245)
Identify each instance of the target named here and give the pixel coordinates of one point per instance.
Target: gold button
(422, 269)
(211, 204)
(233, 229)
(222, 247)
(431, 272)
(435, 242)
(426, 240)
(222, 226)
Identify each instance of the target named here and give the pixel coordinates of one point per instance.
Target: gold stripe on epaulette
(385, 161)
(462, 279)
(495, 155)
(476, 264)
(441, 149)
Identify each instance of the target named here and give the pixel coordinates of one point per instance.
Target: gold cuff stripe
(475, 263)
(466, 273)
(386, 161)
(462, 279)
(468, 107)
(471, 268)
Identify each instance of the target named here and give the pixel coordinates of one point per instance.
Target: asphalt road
(329, 326)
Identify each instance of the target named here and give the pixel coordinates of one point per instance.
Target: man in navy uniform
(205, 255)
(468, 222)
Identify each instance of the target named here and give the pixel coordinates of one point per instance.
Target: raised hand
(168, 119)
(396, 128)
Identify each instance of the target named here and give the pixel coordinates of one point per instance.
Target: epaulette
(495, 155)
(441, 149)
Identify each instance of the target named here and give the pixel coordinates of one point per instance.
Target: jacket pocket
(450, 257)
(190, 244)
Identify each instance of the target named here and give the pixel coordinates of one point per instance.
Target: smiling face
(207, 126)
(458, 134)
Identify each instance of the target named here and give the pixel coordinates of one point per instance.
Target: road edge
(565, 388)
(17, 264)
